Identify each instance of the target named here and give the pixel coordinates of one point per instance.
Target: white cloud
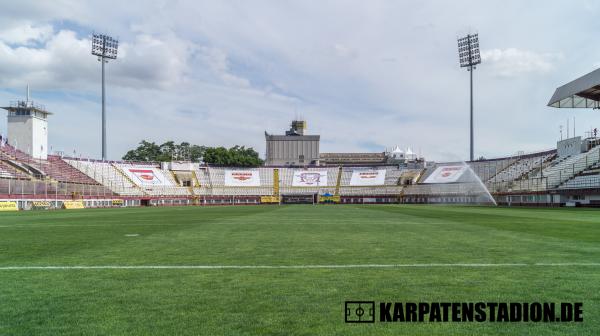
(26, 33)
(63, 62)
(220, 72)
(512, 62)
(152, 62)
(218, 62)
(345, 51)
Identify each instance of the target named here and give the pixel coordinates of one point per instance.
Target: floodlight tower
(105, 47)
(468, 54)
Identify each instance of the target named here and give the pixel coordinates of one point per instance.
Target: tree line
(239, 156)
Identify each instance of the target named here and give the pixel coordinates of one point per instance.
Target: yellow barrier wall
(73, 205)
(330, 199)
(9, 206)
(269, 199)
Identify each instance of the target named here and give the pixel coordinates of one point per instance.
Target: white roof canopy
(583, 92)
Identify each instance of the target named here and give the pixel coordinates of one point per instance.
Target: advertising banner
(368, 177)
(446, 174)
(8, 206)
(73, 205)
(242, 178)
(309, 178)
(147, 176)
(40, 205)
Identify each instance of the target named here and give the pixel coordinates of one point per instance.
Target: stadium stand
(520, 168)
(169, 187)
(106, 174)
(391, 184)
(8, 170)
(564, 169)
(487, 169)
(583, 182)
(54, 167)
(212, 182)
(508, 178)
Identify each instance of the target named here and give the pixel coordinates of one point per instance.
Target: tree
(146, 151)
(195, 153)
(238, 156)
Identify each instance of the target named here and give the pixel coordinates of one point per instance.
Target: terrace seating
(520, 168)
(487, 169)
(212, 182)
(155, 190)
(106, 174)
(63, 172)
(54, 167)
(391, 183)
(560, 171)
(571, 166)
(8, 171)
(287, 176)
(582, 182)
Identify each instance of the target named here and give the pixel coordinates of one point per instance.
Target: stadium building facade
(294, 148)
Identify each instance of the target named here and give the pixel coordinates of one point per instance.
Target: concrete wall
(29, 134)
(568, 147)
(292, 150)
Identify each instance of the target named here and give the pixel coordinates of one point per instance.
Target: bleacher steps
(195, 179)
(175, 178)
(339, 182)
(118, 169)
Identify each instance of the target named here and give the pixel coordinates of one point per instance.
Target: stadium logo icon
(310, 178)
(369, 175)
(449, 171)
(147, 175)
(359, 312)
(241, 176)
(144, 176)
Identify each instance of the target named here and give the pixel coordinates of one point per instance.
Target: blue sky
(365, 74)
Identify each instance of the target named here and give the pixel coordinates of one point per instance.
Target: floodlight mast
(105, 47)
(469, 56)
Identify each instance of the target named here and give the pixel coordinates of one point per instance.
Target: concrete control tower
(27, 125)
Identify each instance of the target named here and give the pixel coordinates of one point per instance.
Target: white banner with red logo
(368, 177)
(242, 178)
(309, 178)
(147, 176)
(446, 174)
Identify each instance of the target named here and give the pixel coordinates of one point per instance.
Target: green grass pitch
(283, 301)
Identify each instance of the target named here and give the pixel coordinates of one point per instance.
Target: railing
(555, 176)
(49, 189)
(26, 104)
(569, 168)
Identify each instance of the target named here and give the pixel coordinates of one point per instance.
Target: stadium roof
(584, 92)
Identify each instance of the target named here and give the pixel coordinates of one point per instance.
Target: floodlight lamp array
(104, 46)
(468, 50)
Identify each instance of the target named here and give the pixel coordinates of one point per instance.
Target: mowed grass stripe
(242, 267)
